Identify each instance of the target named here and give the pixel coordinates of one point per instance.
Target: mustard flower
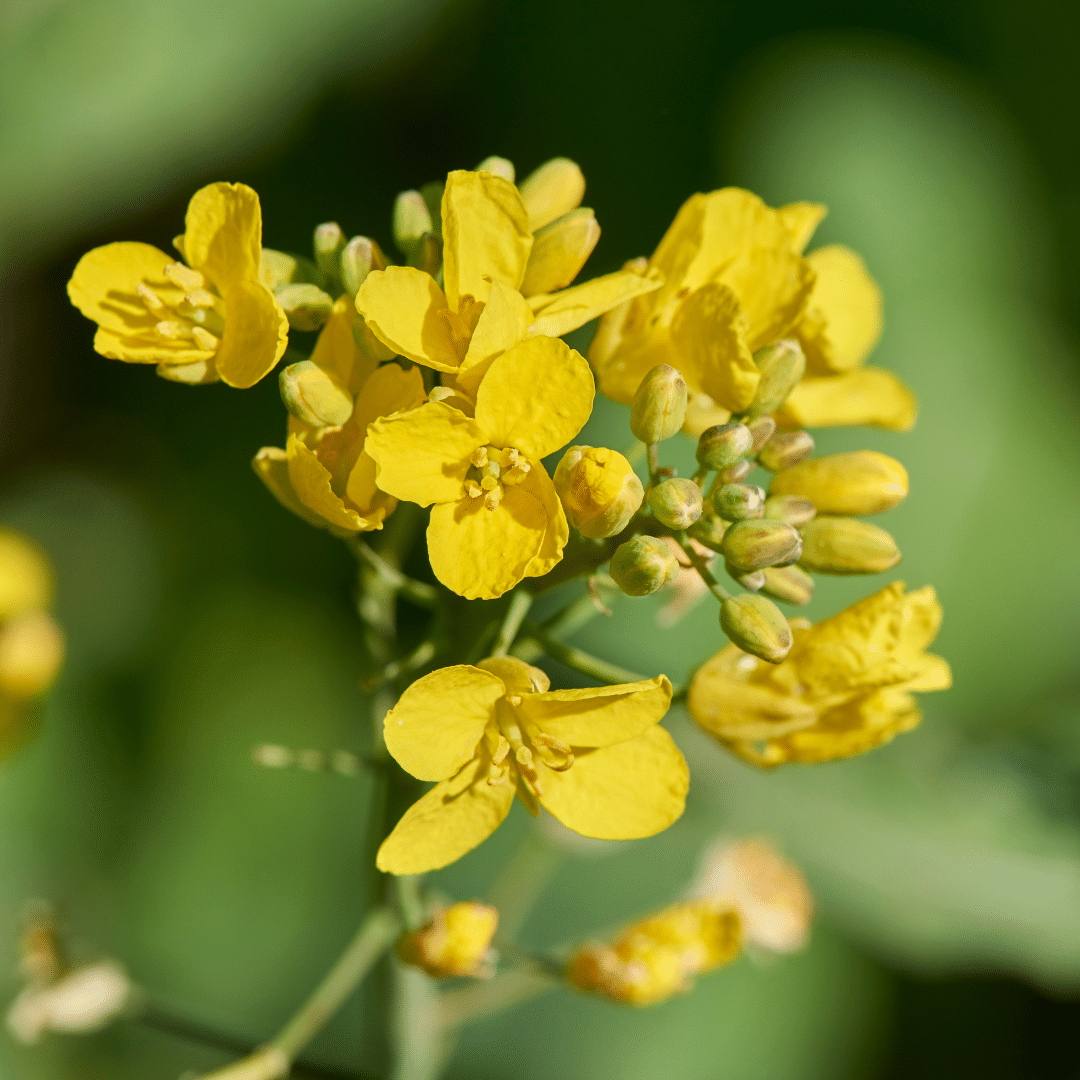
(454, 941)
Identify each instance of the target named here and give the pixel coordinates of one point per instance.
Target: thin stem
(572, 617)
(520, 602)
(699, 476)
(410, 905)
(592, 666)
(480, 1000)
(653, 454)
(418, 592)
(422, 655)
(698, 564)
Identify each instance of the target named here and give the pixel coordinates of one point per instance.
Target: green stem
(418, 592)
(521, 880)
(420, 657)
(592, 666)
(653, 454)
(480, 1000)
(698, 564)
(520, 602)
(409, 902)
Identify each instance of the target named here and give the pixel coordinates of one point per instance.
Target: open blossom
(496, 517)
(845, 687)
(200, 320)
(596, 759)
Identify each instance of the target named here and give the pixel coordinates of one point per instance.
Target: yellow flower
(481, 310)
(597, 759)
(204, 319)
(455, 941)
(845, 687)
(496, 517)
(324, 474)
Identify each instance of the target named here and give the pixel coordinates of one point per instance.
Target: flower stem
(520, 881)
(592, 666)
(417, 592)
(698, 564)
(520, 602)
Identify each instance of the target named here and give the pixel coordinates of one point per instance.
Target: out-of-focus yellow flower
(845, 687)
(324, 474)
(200, 320)
(865, 395)
(863, 482)
(496, 517)
(597, 759)
(455, 941)
(481, 309)
(659, 956)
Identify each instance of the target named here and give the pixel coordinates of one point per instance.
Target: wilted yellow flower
(845, 687)
(597, 759)
(659, 956)
(324, 474)
(496, 517)
(200, 320)
(455, 941)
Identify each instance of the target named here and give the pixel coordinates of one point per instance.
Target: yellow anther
(473, 489)
(514, 699)
(514, 475)
(559, 747)
(493, 498)
(509, 457)
(479, 457)
(440, 393)
(204, 339)
(200, 298)
(500, 751)
(149, 297)
(184, 276)
(493, 468)
(489, 483)
(170, 328)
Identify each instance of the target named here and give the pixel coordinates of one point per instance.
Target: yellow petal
(613, 324)
(223, 234)
(256, 335)
(623, 371)
(435, 726)
(559, 313)
(709, 335)
(866, 395)
(600, 715)
(147, 348)
(486, 235)
(621, 792)
(363, 492)
(390, 389)
(482, 553)
(271, 465)
(552, 190)
(843, 320)
(557, 532)
(536, 397)
(559, 252)
(336, 351)
(921, 619)
(933, 673)
(311, 482)
(773, 286)
(800, 219)
(502, 323)
(423, 454)
(191, 373)
(401, 306)
(450, 820)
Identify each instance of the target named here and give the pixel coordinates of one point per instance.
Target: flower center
(527, 747)
(462, 323)
(199, 317)
(493, 470)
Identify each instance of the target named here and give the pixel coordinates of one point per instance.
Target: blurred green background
(203, 619)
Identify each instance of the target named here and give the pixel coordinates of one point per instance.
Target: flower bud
(752, 581)
(864, 482)
(314, 395)
(306, 305)
(733, 502)
(599, 489)
(498, 166)
(762, 430)
(788, 583)
(723, 445)
(754, 543)
(554, 189)
(841, 545)
(781, 365)
(757, 626)
(360, 256)
(735, 474)
(643, 565)
(559, 251)
(454, 942)
(793, 509)
(411, 221)
(31, 651)
(709, 530)
(328, 242)
(784, 450)
(676, 503)
(659, 406)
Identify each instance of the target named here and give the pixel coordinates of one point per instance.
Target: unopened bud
(307, 306)
(757, 626)
(411, 221)
(762, 430)
(328, 242)
(793, 509)
(559, 251)
(498, 166)
(735, 474)
(864, 482)
(733, 502)
(31, 651)
(841, 545)
(723, 445)
(360, 256)
(454, 942)
(788, 583)
(659, 406)
(312, 394)
(278, 268)
(781, 365)
(599, 490)
(754, 543)
(676, 503)
(554, 189)
(784, 450)
(643, 565)
(752, 581)
(432, 193)
(426, 254)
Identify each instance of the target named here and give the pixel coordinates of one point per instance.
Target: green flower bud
(757, 626)
(781, 365)
(328, 242)
(426, 254)
(659, 406)
(762, 430)
(754, 543)
(411, 220)
(313, 395)
(735, 474)
(497, 166)
(788, 583)
(752, 581)
(793, 509)
(643, 565)
(432, 193)
(733, 502)
(359, 257)
(723, 445)
(599, 490)
(676, 503)
(783, 451)
(307, 306)
(840, 545)
(864, 482)
(709, 530)
(559, 251)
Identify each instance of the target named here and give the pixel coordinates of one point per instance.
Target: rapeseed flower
(200, 320)
(845, 687)
(496, 516)
(454, 941)
(596, 759)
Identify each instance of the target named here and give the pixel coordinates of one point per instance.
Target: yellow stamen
(514, 475)
(184, 276)
(540, 739)
(489, 483)
(149, 297)
(170, 328)
(473, 490)
(200, 298)
(493, 498)
(514, 699)
(204, 339)
(479, 457)
(500, 751)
